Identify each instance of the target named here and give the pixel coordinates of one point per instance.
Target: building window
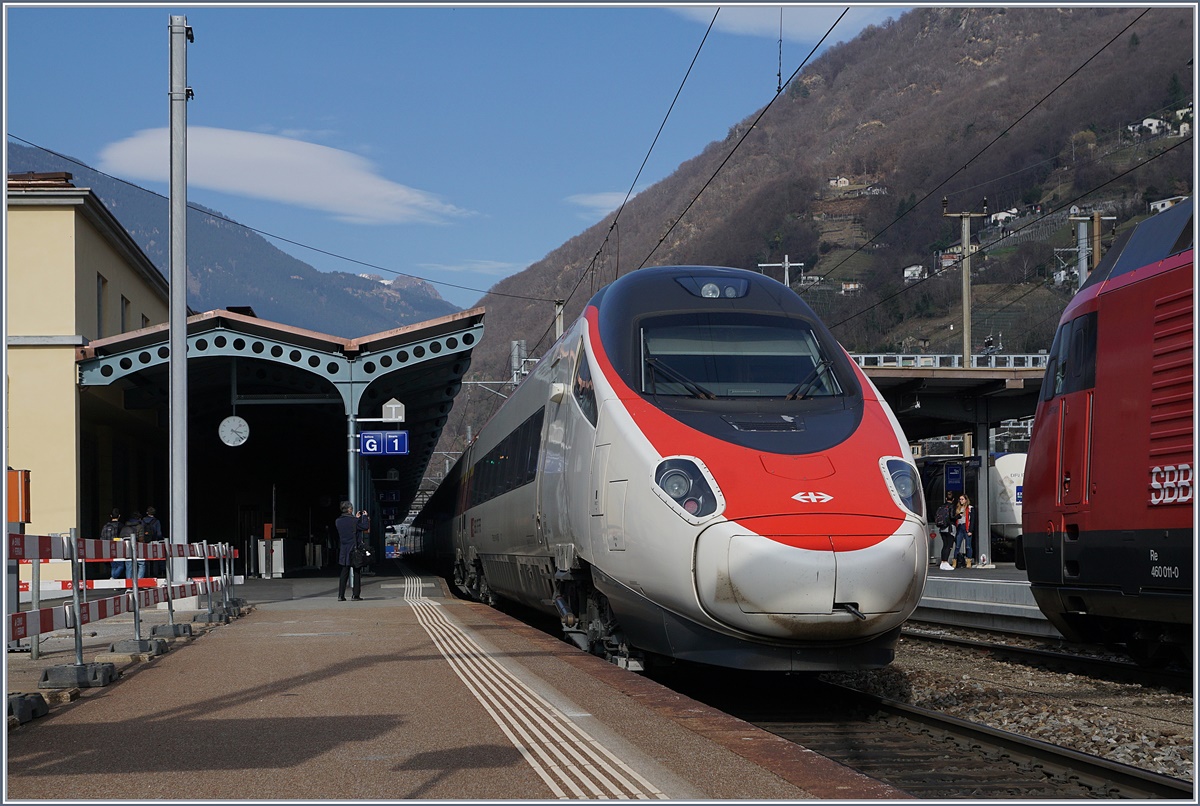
(101, 292)
(145, 321)
(126, 310)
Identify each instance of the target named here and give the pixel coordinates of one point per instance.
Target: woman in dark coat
(351, 528)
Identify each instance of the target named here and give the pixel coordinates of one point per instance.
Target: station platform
(410, 693)
(995, 597)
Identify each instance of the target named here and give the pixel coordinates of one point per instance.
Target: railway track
(927, 753)
(1028, 651)
(922, 752)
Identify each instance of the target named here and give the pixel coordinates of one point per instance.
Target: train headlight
(904, 484)
(688, 487)
(676, 483)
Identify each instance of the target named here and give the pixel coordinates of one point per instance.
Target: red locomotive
(1108, 539)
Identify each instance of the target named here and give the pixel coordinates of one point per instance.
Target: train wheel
(1147, 653)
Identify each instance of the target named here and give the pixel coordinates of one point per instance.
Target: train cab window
(734, 356)
(584, 389)
(1072, 365)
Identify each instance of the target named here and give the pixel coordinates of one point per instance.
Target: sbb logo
(1171, 484)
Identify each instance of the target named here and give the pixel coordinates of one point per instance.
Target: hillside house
(852, 287)
(839, 182)
(1152, 126)
(1163, 204)
(914, 273)
(1003, 217)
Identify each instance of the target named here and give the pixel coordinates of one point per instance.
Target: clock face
(234, 430)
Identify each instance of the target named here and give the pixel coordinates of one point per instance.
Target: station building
(87, 406)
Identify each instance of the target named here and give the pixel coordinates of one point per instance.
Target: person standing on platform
(112, 531)
(351, 528)
(964, 530)
(153, 534)
(944, 520)
(134, 529)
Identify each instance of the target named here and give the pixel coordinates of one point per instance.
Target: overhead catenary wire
(1014, 232)
(994, 140)
(741, 140)
(613, 227)
(723, 162)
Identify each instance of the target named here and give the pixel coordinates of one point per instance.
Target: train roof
(1156, 238)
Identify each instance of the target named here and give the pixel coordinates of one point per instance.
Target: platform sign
(954, 477)
(1020, 493)
(393, 411)
(383, 443)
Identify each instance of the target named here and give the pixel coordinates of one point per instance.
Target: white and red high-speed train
(695, 470)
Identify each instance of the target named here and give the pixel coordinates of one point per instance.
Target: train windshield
(711, 356)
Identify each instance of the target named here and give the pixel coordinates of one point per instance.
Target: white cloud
(494, 268)
(802, 24)
(279, 169)
(597, 205)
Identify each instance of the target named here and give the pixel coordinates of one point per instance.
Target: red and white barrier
(37, 622)
(38, 547)
(99, 609)
(150, 591)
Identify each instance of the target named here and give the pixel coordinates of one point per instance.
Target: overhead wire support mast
(180, 93)
(965, 217)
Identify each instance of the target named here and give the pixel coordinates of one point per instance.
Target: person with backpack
(112, 531)
(945, 526)
(135, 529)
(152, 528)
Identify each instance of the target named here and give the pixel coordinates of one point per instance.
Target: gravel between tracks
(1147, 728)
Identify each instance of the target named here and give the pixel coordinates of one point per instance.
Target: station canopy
(307, 381)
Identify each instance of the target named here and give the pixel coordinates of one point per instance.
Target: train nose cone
(797, 587)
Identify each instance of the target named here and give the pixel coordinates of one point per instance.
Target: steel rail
(1092, 770)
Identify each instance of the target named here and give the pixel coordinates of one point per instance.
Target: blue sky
(458, 145)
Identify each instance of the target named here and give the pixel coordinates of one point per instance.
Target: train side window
(533, 438)
(585, 390)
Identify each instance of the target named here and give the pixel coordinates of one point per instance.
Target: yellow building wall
(54, 255)
(42, 294)
(43, 433)
(95, 256)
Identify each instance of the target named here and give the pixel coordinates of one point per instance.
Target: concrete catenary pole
(181, 34)
(965, 218)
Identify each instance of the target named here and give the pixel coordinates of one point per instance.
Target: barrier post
(137, 645)
(208, 580)
(77, 582)
(134, 548)
(227, 576)
(171, 628)
(35, 594)
(211, 616)
(80, 674)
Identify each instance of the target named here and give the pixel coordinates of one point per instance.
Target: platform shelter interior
(301, 394)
